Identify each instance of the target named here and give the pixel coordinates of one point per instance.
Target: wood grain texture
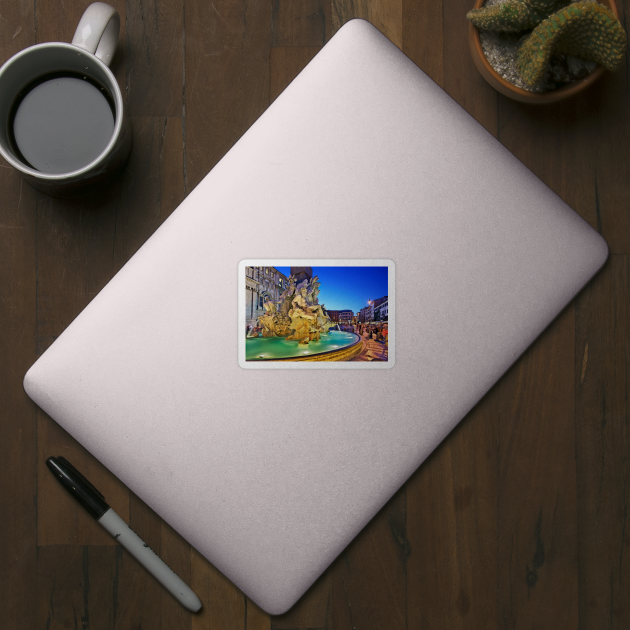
(574, 149)
(152, 606)
(224, 606)
(422, 36)
(18, 416)
(537, 509)
(57, 22)
(608, 137)
(452, 517)
(602, 381)
(76, 587)
(313, 610)
(461, 79)
(369, 577)
(518, 520)
(17, 28)
(285, 64)
(151, 187)
(154, 58)
(386, 15)
(300, 23)
(226, 78)
(58, 519)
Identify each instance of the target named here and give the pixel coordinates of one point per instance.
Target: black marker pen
(94, 502)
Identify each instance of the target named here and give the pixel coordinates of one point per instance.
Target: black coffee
(61, 123)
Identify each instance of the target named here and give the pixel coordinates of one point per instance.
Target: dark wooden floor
(518, 520)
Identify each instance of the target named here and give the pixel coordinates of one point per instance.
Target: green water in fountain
(266, 348)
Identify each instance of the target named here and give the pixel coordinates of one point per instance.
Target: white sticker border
(317, 262)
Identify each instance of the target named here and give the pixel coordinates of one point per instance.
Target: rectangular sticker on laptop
(314, 314)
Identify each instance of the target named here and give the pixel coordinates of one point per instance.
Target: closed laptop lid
(270, 473)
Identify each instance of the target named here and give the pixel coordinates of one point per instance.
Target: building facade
(381, 311)
(346, 315)
(261, 284)
(368, 313)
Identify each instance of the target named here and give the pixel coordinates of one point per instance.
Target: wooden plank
(422, 36)
(575, 147)
(176, 552)
(226, 78)
(76, 587)
(369, 577)
(608, 127)
(557, 149)
(603, 468)
(452, 527)
(537, 537)
(17, 28)
(18, 424)
(224, 606)
(285, 64)
(152, 185)
(300, 22)
(142, 600)
(565, 147)
(74, 248)
(386, 15)
(61, 520)
(55, 23)
(255, 618)
(154, 57)
(171, 159)
(461, 78)
(313, 610)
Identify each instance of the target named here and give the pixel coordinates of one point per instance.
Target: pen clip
(62, 460)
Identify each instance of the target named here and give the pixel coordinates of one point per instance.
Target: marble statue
(297, 314)
(268, 319)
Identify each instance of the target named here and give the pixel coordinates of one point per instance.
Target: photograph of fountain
(315, 313)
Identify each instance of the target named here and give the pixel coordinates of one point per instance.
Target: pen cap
(78, 486)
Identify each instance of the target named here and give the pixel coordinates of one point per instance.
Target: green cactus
(583, 29)
(513, 16)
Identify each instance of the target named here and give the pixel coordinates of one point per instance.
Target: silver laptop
(362, 163)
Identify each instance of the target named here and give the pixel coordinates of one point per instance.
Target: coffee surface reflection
(62, 123)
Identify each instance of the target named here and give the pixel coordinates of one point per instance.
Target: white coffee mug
(61, 106)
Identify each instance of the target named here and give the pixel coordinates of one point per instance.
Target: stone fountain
(297, 314)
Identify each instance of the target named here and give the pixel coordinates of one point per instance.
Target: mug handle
(98, 30)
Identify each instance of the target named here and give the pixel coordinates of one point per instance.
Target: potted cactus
(558, 49)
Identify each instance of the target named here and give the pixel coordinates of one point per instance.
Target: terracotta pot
(518, 94)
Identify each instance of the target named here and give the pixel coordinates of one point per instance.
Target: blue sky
(348, 287)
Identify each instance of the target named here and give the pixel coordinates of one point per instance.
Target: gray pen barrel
(149, 559)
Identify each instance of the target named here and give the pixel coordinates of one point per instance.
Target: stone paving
(372, 351)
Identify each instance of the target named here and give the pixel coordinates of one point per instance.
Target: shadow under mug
(88, 56)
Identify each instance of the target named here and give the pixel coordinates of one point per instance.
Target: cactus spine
(583, 29)
(513, 16)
